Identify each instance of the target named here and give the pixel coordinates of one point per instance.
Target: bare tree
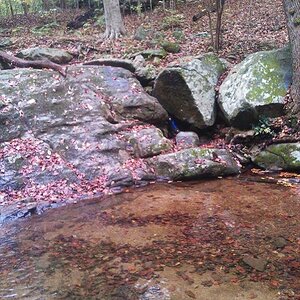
(292, 11)
(113, 19)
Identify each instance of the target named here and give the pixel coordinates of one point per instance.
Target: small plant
(263, 127)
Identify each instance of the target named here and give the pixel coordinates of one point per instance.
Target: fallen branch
(13, 61)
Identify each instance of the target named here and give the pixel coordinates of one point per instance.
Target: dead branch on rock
(13, 61)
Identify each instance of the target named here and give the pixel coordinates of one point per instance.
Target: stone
(120, 178)
(55, 55)
(256, 88)
(171, 47)
(142, 33)
(114, 62)
(194, 163)
(146, 75)
(149, 142)
(5, 42)
(276, 157)
(78, 117)
(187, 90)
(187, 139)
(279, 242)
(151, 53)
(258, 264)
(178, 35)
(139, 61)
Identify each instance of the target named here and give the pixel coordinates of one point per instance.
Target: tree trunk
(45, 4)
(292, 11)
(113, 19)
(220, 9)
(25, 7)
(11, 8)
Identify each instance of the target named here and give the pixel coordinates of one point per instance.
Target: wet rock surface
(171, 241)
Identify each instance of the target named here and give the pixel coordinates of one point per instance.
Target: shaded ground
(221, 239)
(249, 26)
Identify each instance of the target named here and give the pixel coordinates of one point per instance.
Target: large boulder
(78, 116)
(279, 157)
(113, 62)
(187, 90)
(256, 87)
(55, 55)
(195, 163)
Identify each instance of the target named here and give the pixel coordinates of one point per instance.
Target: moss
(212, 60)
(280, 156)
(296, 21)
(171, 47)
(270, 80)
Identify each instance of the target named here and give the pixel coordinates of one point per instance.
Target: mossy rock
(187, 90)
(171, 47)
(279, 157)
(194, 163)
(256, 88)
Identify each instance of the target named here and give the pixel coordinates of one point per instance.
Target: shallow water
(169, 241)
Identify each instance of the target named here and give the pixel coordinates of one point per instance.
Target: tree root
(13, 61)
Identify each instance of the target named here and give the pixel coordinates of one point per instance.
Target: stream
(224, 239)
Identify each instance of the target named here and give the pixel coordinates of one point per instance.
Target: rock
(256, 87)
(279, 242)
(187, 139)
(142, 33)
(139, 61)
(17, 169)
(279, 157)
(78, 116)
(187, 91)
(146, 75)
(149, 142)
(258, 264)
(171, 47)
(194, 163)
(178, 35)
(120, 177)
(114, 62)
(151, 53)
(55, 55)
(5, 42)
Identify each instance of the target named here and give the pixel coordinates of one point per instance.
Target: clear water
(168, 241)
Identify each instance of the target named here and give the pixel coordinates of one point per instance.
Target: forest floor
(248, 26)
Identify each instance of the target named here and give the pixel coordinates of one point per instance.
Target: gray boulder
(146, 74)
(113, 62)
(195, 163)
(149, 142)
(55, 55)
(78, 116)
(279, 157)
(187, 91)
(256, 87)
(187, 139)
